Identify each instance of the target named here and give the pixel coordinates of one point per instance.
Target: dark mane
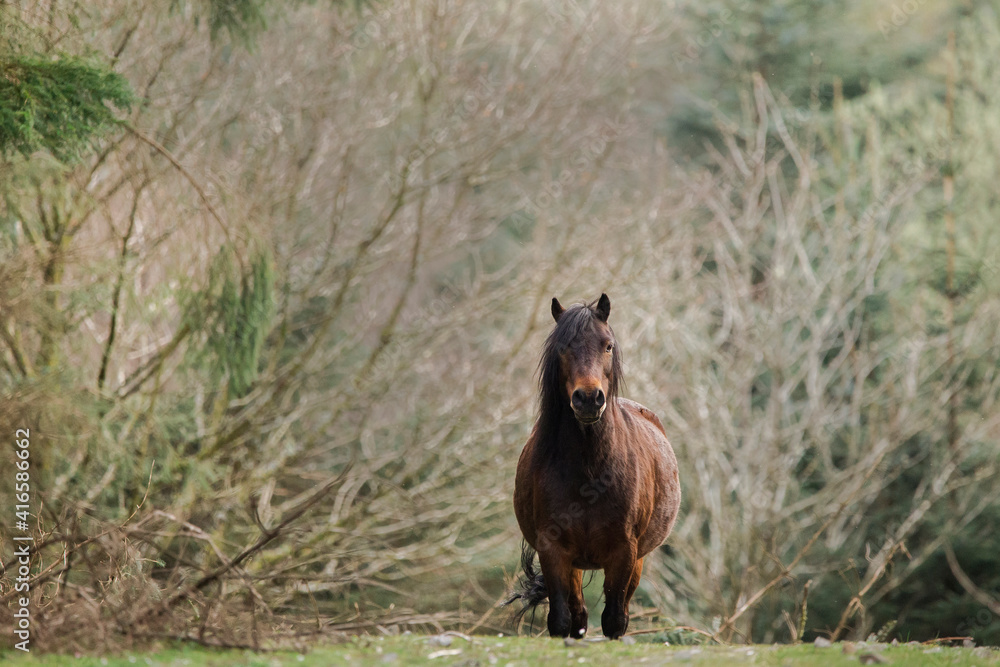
(578, 320)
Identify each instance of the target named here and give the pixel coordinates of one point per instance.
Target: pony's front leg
(618, 589)
(558, 572)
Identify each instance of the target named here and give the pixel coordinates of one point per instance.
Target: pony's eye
(610, 346)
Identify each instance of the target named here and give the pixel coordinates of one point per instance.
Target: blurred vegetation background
(274, 279)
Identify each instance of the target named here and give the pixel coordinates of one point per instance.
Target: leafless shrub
(422, 178)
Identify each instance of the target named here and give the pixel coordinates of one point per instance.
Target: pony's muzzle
(588, 404)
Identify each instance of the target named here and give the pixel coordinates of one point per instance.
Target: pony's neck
(578, 443)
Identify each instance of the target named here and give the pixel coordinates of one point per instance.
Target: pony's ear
(557, 309)
(603, 308)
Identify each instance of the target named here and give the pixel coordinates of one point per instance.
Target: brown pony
(597, 484)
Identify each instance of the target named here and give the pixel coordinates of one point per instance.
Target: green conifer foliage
(242, 19)
(58, 105)
(235, 311)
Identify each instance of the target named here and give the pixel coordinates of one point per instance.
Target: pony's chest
(585, 507)
(586, 488)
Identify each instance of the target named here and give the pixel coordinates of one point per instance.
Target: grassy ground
(516, 651)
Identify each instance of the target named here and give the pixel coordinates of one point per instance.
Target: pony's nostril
(588, 399)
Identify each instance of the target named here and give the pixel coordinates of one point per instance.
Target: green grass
(517, 651)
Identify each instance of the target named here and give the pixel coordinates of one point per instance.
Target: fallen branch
(267, 536)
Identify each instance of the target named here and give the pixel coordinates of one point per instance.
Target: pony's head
(581, 364)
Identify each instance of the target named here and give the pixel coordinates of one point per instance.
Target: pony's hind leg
(634, 582)
(577, 606)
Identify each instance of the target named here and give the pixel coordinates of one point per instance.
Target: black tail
(530, 586)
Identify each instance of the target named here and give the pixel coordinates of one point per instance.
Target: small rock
(871, 659)
(968, 643)
(440, 640)
(628, 641)
(850, 648)
(822, 642)
(936, 649)
(569, 641)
